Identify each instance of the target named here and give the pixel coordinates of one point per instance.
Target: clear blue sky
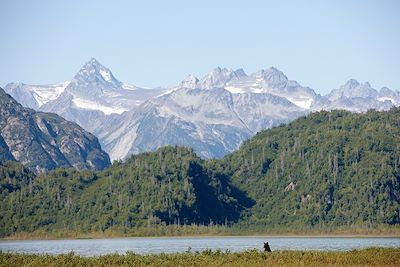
(321, 44)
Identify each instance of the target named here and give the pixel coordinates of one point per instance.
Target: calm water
(91, 247)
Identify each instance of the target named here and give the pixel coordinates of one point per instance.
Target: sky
(320, 44)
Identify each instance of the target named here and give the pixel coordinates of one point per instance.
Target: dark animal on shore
(266, 247)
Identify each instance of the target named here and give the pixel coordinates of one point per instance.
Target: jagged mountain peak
(15, 84)
(351, 83)
(92, 63)
(228, 72)
(354, 85)
(386, 90)
(218, 77)
(92, 80)
(240, 73)
(274, 72)
(190, 81)
(367, 84)
(272, 77)
(94, 71)
(220, 71)
(353, 89)
(217, 69)
(274, 69)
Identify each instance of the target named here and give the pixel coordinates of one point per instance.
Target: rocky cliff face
(44, 141)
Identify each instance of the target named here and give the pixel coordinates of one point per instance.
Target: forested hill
(329, 168)
(169, 186)
(324, 170)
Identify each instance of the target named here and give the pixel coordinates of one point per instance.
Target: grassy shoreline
(100, 236)
(188, 231)
(365, 257)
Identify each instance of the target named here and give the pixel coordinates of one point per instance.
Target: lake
(149, 245)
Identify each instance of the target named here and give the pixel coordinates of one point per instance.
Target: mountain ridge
(98, 102)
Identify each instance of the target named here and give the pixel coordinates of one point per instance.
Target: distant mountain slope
(359, 97)
(35, 96)
(212, 122)
(45, 141)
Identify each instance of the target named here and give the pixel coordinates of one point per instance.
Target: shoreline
(258, 235)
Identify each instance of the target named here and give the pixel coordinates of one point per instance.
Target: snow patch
(237, 90)
(129, 87)
(383, 99)
(44, 94)
(303, 103)
(168, 91)
(234, 90)
(106, 75)
(87, 104)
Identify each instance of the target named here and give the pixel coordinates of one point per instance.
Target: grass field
(366, 257)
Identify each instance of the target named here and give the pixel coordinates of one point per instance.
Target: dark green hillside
(330, 168)
(13, 176)
(170, 186)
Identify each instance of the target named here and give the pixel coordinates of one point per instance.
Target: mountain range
(213, 115)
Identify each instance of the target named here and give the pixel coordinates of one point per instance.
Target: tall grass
(367, 257)
(204, 230)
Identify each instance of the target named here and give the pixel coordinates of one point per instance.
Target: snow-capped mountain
(94, 87)
(218, 77)
(204, 114)
(274, 82)
(190, 82)
(359, 97)
(213, 114)
(385, 94)
(35, 96)
(88, 99)
(212, 121)
(353, 89)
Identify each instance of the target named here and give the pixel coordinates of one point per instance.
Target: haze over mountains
(213, 115)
